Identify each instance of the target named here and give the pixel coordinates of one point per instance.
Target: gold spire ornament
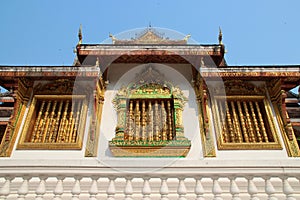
(113, 38)
(220, 36)
(186, 38)
(80, 34)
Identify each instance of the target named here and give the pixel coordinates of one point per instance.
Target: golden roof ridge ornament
(220, 36)
(80, 35)
(113, 38)
(186, 38)
(149, 36)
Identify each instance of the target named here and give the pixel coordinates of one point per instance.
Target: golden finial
(220, 36)
(113, 38)
(187, 37)
(80, 34)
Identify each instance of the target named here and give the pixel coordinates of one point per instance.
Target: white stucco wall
(122, 76)
(179, 75)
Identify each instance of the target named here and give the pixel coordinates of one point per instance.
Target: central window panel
(150, 120)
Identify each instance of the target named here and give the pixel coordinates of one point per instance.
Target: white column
(287, 189)
(59, 189)
(5, 190)
(94, 188)
(270, 189)
(76, 190)
(199, 190)
(128, 189)
(234, 189)
(216, 190)
(164, 190)
(146, 189)
(111, 190)
(23, 190)
(252, 189)
(181, 190)
(41, 189)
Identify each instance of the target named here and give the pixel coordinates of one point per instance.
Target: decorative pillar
(22, 91)
(208, 144)
(94, 130)
(178, 119)
(120, 105)
(278, 96)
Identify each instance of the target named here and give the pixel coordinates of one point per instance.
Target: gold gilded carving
(163, 121)
(54, 131)
(258, 135)
(149, 36)
(152, 108)
(236, 124)
(208, 146)
(278, 100)
(153, 151)
(262, 126)
(60, 86)
(224, 128)
(239, 87)
(291, 145)
(249, 123)
(230, 125)
(150, 122)
(22, 91)
(170, 121)
(156, 122)
(243, 124)
(239, 137)
(93, 136)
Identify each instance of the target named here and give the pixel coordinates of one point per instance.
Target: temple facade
(150, 117)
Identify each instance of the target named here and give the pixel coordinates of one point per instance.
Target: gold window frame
(222, 145)
(24, 145)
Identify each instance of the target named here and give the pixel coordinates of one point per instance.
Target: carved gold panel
(244, 122)
(149, 113)
(54, 122)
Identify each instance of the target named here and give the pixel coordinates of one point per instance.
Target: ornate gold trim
(208, 144)
(21, 95)
(23, 144)
(278, 101)
(149, 113)
(155, 151)
(291, 145)
(222, 145)
(95, 121)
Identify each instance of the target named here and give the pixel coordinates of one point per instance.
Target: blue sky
(45, 32)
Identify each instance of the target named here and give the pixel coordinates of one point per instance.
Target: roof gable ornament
(149, 36)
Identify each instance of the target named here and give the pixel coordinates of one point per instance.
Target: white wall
(121, 75)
